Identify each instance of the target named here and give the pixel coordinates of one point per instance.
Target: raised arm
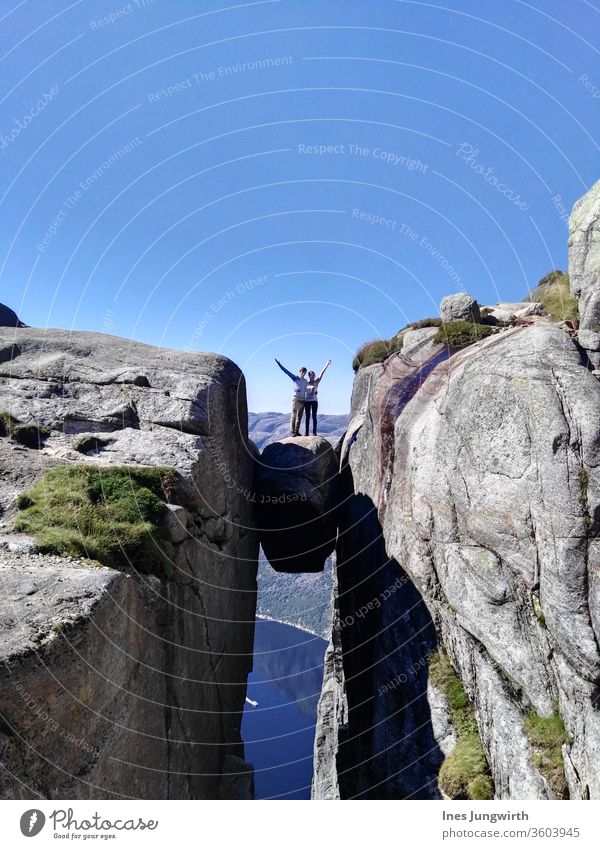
(325, 367)
(283, 368)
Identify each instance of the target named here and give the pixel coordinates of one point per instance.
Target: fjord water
(279, 731)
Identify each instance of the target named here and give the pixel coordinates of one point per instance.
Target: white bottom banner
(287, 825)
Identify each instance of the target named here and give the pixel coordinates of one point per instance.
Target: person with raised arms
(298, 395)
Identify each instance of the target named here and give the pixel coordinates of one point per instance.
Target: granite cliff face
(584, 268)
(470, 527)
(117, 683)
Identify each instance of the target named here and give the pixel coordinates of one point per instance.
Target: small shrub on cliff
(425, 322)
(552, 277)
(31, 434)
(557, 301)
(462, 775)
(112, 515)
(376, 351)
(456, 334)
(465, 772)
(546, 735)
(7, 424)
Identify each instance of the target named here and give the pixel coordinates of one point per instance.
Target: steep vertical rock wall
(128, 684)
(493, 511)
(374, 718)
(584, 268)
(481, 472)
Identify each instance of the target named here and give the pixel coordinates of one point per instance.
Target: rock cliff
(584, 268)
(119, 683)
(467, 609)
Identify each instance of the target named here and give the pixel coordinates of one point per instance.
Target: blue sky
(288, 178)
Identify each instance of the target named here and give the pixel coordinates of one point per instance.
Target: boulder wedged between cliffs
(297, 490)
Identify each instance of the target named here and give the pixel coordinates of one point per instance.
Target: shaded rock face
(332, 711)
(386, 747)
(296, 489)
(9, 318)
(136, 684)
(484, 481)
(460, 307)
(374, 718)
(584, 268)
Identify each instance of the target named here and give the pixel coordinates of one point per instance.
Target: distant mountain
(304, 599)
(264, 428)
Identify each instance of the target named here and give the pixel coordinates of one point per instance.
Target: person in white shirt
(311, 401)
(299, 393)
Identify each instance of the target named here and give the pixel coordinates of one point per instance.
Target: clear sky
(287, 178)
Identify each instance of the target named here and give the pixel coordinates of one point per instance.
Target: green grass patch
(376, 351)
(557, 301)
(546, 736)
(112, 515)
(465, 773)
(457, 334)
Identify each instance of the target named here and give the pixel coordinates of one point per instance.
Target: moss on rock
(546, 736)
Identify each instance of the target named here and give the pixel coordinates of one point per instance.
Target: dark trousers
(310, 409)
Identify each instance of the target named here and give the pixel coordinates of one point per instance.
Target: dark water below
(279, 731)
